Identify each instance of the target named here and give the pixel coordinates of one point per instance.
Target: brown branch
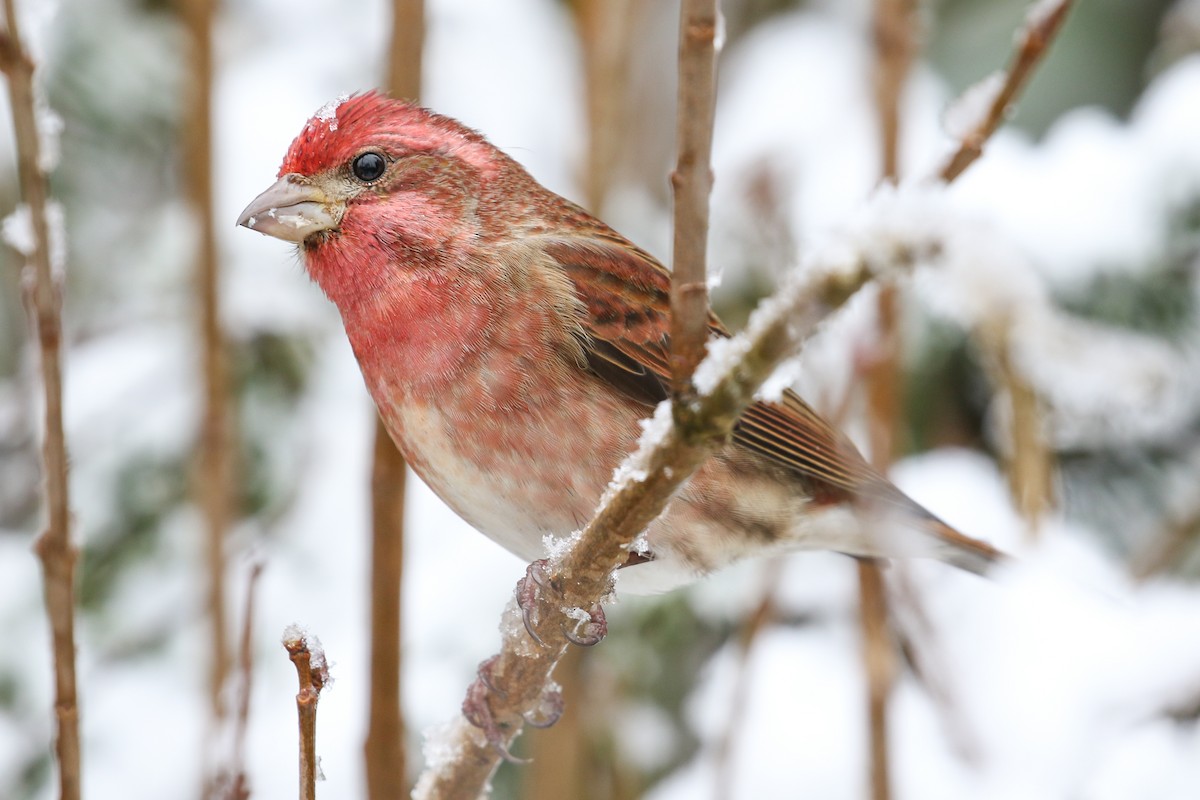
(692, 184)
(894, 32)
(579, 577)
(236, 785)
(312, 670)
(383, 750)
(606, 36)
(755, 624)
(214, 458)
(1034, 40)
(43, 300)
(1030, 462)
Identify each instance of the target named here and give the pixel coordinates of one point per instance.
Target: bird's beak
(292, 211)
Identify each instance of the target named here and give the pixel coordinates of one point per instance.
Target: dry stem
(692, 183)
(383, 750)
(44, 304)
(895, 37)
(214, 464)
(584, 573)
(1034, 41)
(239, 788)
(763, 615)
(313, 673)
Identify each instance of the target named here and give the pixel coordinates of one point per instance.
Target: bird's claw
(591, 632)
(548, 712)
(537, 578)
(475, 710)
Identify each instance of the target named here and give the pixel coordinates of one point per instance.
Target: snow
(967, 114)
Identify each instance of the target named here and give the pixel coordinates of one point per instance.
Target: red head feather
(345, 126)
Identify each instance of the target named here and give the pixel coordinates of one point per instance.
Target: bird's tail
(957, 549)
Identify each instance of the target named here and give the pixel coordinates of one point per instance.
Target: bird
(513, 342)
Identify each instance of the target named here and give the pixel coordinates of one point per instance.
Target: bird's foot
(478, 712)
(537, 578)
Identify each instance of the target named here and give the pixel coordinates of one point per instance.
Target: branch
(676, 442)
(1042, 23)
(692, 184)
(43, 300)
(312, 670)
(383, 750)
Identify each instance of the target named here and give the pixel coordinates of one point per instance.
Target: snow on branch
(890, 239)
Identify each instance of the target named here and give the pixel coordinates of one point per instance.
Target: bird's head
(367, 164)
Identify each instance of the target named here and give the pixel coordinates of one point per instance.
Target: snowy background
(1074, 674)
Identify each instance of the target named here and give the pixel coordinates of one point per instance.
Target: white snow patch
(966, 114)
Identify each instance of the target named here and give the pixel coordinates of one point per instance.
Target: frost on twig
(312, 670)
(887, 240)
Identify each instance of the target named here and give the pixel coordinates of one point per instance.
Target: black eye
(368, 167)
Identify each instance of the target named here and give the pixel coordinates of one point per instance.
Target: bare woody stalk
(214, 459)
(44, 304)
(312, 673)
(1035, 38)
(238, 785)
(1030, 467)
(519, 674)
(894, 31)
(692, 184)
(383, 750)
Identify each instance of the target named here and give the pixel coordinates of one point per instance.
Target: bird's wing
(626, 298)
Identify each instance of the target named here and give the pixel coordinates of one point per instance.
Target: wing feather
(625, 294)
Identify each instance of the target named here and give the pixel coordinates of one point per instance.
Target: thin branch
(43, 301)
(383, 750)
(1042, 24)
(894, 32)
(692, 184)
(763, 615)
(1030, 462)
(238, 787)
(214, 459)
(312, 670)
(675, 445)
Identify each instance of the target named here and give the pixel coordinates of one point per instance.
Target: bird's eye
(368, 167)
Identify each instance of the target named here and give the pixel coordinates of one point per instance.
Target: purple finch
(512, 342)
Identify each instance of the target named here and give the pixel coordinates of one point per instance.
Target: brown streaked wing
(626, 297)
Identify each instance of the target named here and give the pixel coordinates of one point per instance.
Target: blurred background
(1074, 674)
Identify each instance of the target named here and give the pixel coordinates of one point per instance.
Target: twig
(312, 670)
(214, 460)
(238, 787)
(43, 301)
(1042, 24)
(763, 615)
(1030, 467)
(606, 35)
(675, 445)
(895, 37)
(692, 184)
(384, 751)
